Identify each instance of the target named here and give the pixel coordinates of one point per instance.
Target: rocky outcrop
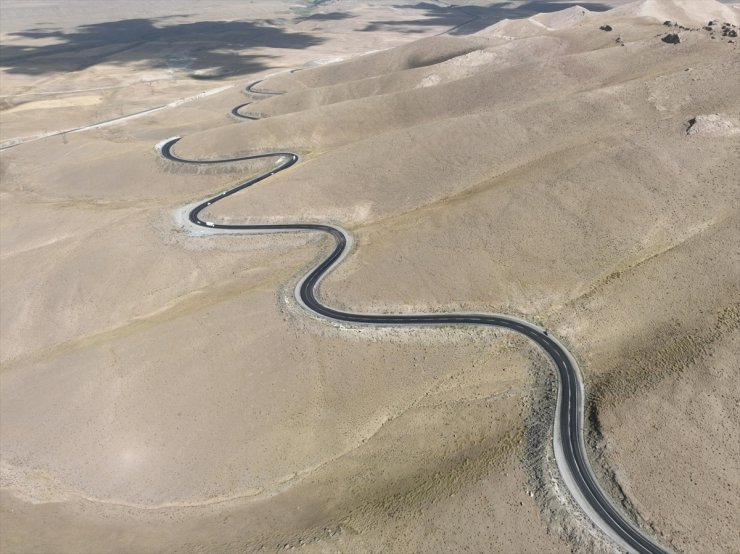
(672, 38)
(712, 125)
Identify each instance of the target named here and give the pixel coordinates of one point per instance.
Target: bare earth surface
(163, 392)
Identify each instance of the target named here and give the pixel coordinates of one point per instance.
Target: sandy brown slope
(162, 392)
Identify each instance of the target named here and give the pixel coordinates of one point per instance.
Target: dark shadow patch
(466, 20)
(431, 58)
(206, 49)
(332, 16)
(543, 6)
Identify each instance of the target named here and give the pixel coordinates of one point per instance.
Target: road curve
(236, 112)
(568, 438)
(250, 87)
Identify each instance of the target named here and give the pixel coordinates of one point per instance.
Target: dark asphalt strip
(570, 424)
(250, 88)
(236, 112)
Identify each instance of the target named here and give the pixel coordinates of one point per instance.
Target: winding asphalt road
(568, 437)
(236, 112)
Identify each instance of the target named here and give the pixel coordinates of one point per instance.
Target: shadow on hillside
(465, 20)
(331, 16)
(205, 49)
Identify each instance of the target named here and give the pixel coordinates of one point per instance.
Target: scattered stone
(713, 22)
(671, 38)
(729, 33)
(670, 23)
(619, 40)
(606, 28)
(712, 124)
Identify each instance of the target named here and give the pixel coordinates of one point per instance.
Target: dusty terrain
(163, 391)
(75, 63)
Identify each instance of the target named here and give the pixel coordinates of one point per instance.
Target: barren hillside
(164, 392)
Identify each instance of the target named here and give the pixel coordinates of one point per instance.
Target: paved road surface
(568, 438)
